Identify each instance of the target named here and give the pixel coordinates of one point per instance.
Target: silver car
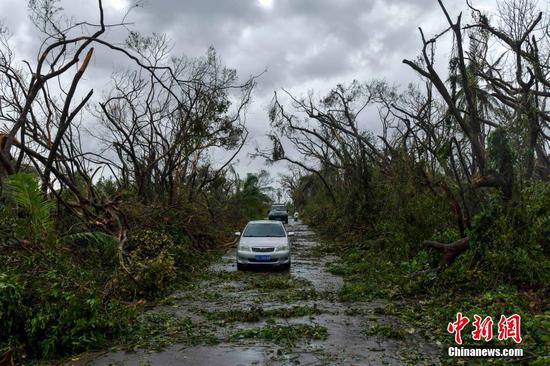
(264, 243)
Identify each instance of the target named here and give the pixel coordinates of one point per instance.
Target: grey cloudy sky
(303, 44)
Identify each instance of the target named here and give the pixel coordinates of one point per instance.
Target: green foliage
(72, 320)
(156, 330)
(154, 275)
(508, 242)
(539, 332)
(95, 237)
(505, 270)
(428, 301)
(8, 225)
(152, 263)
(11, 308)
(371, 277)
(144, 244)
(399, 215)
(250, 200)
(96, 248)
(56, 307)
(106, 187)
(66, 297)
(23, 191)
(287, 335)
(502, 158)
(500, 152)
(446, 236)
(52, 297)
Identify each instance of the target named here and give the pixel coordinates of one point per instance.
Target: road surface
(242, 320)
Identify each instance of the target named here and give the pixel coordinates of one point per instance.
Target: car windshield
(279, 208)
(264, 230)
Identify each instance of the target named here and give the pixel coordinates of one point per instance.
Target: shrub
(154, 274)
(71, 319)
(56, 309)
(508, 240)
(152, 261)
(148, 243)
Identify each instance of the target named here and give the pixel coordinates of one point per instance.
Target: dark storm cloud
(294, 40)
(304, 44)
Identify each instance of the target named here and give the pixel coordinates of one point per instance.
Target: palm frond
(22, 190)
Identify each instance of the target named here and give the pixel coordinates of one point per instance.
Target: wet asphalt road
(347, 342)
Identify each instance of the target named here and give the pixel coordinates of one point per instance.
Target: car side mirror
(237, 233)
(290, 233)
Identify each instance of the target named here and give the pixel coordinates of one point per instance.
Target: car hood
(263, 242)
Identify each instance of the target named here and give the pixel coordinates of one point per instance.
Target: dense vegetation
(90, 238)
(449, 205)
(65, 288)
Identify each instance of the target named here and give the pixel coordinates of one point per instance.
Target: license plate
(263, 257)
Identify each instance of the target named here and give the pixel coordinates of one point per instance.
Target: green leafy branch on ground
(284, 335)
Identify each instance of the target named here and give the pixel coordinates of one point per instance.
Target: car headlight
(244, 248)
(282, 248)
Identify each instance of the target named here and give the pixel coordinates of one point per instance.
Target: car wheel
(286, 266)
(241, 266)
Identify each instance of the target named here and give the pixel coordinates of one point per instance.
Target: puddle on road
(314, 272)
(219, 355)
(308, 284)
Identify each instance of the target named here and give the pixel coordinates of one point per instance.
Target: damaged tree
(478, 131)
(162, 130)
(163, 117)
(479, 85)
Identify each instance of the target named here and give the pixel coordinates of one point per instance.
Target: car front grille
(263, 250)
